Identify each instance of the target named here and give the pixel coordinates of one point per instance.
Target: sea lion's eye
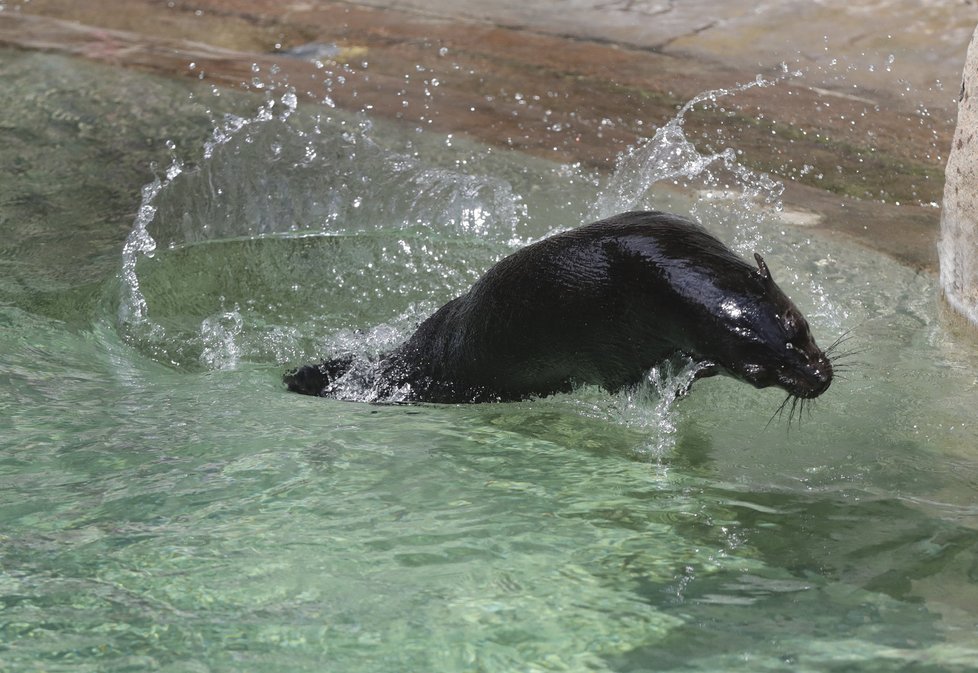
(791, 322)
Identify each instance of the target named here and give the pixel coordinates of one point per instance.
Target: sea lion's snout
(809, 380)
(802, 376)
(819, 377)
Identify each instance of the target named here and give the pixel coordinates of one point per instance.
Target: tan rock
(958, 244)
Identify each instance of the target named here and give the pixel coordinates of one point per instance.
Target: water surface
(166, 505)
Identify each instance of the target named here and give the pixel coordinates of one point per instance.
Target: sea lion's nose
(822, 375)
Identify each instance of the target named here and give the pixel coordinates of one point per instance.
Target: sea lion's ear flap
(762, 267)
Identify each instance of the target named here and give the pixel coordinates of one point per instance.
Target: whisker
(791, 409)
(851, 351)
(779, 411)
(841, 339)
(833, 349)
(842, 363)
(846, 355)
(848, 364)
(839, 357)
(842, 360)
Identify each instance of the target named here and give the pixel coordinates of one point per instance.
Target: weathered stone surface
(844, 42)
(510, 73)
(959, 219)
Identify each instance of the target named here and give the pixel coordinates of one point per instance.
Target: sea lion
(601, 304)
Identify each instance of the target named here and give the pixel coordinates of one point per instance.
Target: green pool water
(166, 505)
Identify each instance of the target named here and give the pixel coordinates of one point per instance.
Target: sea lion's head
(763, 339)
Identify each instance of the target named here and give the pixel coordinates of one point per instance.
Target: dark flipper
(314, 379)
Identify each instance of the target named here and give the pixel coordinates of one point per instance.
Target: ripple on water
(166, 505)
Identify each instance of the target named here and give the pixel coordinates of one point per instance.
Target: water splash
(218, 335)
(133, 312)
(347, 236)
(670, 157)
(325, 179)
(133, 309)
(652, 404)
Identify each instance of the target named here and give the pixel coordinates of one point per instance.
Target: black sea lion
(601, 304)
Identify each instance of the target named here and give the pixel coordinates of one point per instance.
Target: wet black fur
(600, 305)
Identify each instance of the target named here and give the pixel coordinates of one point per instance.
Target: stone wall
(958, 246)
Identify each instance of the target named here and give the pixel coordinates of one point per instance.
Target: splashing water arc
(347, 238)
